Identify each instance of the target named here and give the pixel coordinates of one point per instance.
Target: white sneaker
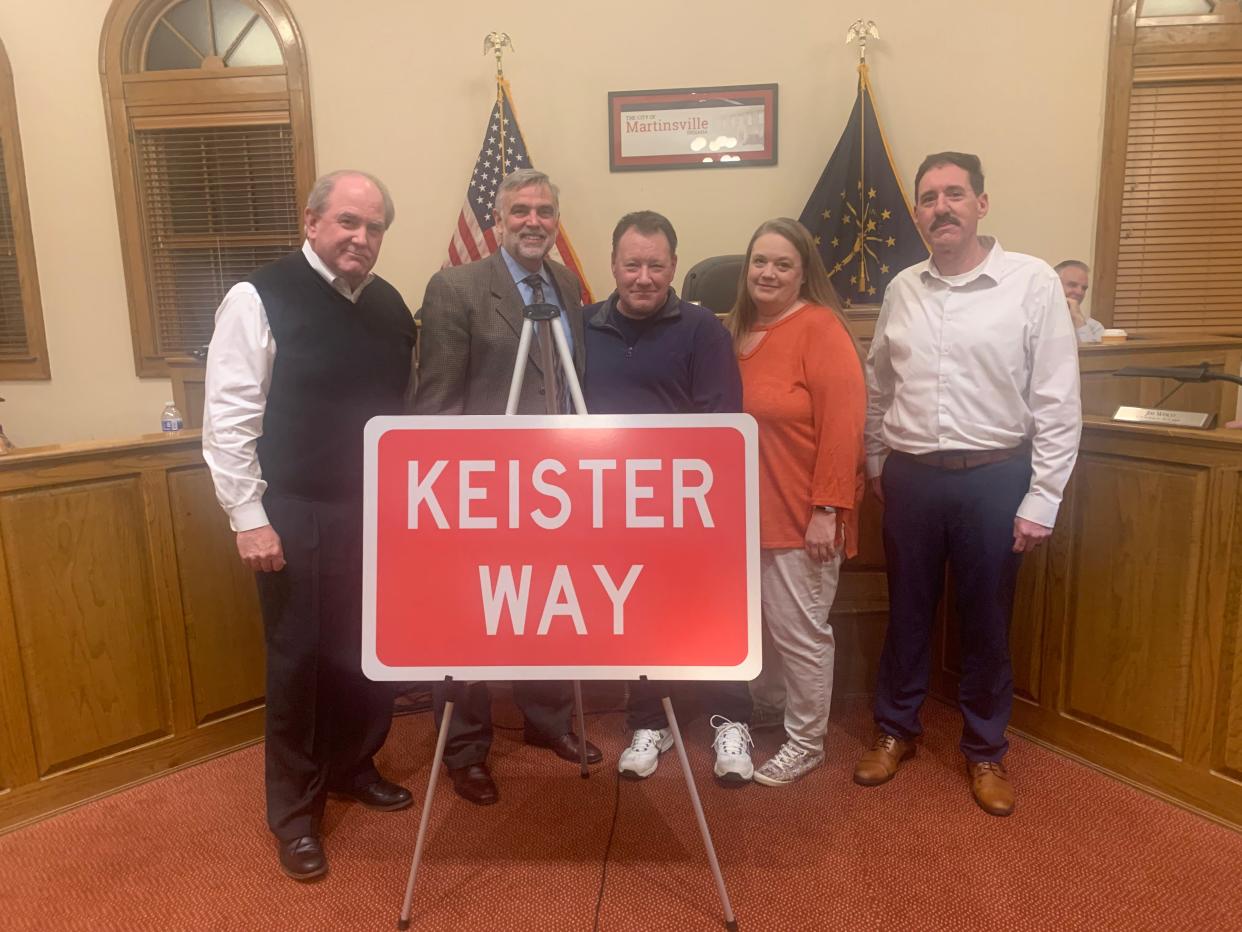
(732, 746)
(642, 757)
(787, 765)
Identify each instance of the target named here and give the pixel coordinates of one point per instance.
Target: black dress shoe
(383, 795)
(303, 858)
(566, 746)
(474, 783)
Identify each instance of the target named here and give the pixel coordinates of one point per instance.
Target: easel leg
(582, 751)
(404, 921)
(730, 921)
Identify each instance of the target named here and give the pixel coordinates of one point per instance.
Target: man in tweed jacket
(471, 320)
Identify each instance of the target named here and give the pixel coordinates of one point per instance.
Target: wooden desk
(130, 636)
(1127, 632)
(1102, 392)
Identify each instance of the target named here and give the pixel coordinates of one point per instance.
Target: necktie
(535, 281)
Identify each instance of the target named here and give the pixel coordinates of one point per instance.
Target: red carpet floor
(190, 851)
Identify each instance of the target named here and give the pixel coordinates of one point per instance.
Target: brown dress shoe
(989, 782)
(474, 783)
(566, 747)
(878, 765)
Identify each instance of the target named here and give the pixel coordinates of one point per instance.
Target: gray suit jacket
(471, 319)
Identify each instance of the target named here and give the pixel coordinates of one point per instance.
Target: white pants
(798, 646)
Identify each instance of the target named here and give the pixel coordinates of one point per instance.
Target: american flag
(503, 151)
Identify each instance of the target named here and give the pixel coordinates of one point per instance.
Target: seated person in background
(1074, 275)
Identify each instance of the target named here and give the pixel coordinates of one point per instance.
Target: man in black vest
(303, 354)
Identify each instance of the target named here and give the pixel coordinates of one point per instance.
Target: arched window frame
(188, 98)
(22, 357)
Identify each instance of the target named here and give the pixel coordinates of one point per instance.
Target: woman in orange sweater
(802, 381)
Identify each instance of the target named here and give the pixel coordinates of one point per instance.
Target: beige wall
(401, 88)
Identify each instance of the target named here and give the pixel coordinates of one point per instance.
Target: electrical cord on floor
(612, 831)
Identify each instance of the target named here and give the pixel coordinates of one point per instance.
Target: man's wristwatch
(827, 509)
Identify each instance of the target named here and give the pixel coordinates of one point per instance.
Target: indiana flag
(858, 213)
(503, 151)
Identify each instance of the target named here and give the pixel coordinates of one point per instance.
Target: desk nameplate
(1135, 415)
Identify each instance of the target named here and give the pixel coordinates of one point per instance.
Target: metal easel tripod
(552, 337)
(549, 333)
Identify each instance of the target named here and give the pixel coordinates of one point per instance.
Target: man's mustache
(946, 220)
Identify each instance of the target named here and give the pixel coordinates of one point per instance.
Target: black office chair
(713, 282)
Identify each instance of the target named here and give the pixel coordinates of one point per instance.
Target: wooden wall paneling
(1059, 574)
(219, 602)
(1122, 673)
(86, 619)
(1026, 633)
(17, 757)
(97, 685)
(859, 639)
(1226, 725)
(170, 629)
(33, 801)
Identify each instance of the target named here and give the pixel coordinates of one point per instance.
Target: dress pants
(324, 719)
(963, 517)
(547, 706)
(799, 648)
(730, 699)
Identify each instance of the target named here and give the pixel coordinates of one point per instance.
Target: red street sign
(561, 547)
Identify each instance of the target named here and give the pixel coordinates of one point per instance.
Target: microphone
(1199, 373)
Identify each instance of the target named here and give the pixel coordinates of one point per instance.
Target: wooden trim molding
(188, 98)
(35, 364)
(1113, 161)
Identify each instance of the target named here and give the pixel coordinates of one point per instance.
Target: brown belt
(964, 459)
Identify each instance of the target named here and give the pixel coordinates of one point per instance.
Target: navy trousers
(935, 517)
(324, 719)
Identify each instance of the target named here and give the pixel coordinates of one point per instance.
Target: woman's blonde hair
(816, 286)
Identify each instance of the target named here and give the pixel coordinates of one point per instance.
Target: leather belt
(964, 459)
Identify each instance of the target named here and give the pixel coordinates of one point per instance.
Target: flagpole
(858, 32)
(495, 43)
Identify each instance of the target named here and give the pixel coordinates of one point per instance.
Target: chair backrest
(713, 282)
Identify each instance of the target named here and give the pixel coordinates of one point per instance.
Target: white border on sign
(376, 669)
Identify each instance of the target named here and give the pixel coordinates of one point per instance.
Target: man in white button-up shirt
(972, 431)
(303, 353)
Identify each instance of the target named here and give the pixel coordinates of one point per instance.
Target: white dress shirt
(1091, 332)
(239, 373)
(979, 361)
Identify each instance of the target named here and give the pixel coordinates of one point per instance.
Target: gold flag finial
(495, 42)
(859, 33)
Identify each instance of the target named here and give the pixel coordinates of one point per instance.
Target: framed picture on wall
(707, 127)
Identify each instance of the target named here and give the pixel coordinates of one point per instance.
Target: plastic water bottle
(170, 419)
